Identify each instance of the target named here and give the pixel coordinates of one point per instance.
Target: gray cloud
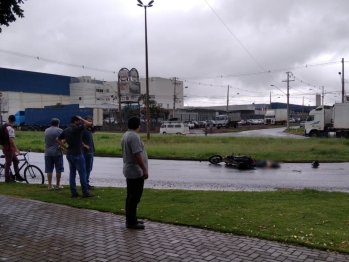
(186, 39)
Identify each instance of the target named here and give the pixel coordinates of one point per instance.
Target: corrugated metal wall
(32, 82)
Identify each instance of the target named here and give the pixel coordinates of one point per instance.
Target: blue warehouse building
(32, 82)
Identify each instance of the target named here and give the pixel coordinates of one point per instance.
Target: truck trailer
(38, 119)
(324, 120)
(275, 116)
(228, 120)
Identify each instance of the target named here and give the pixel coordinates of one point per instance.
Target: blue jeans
(89, 164)
(77, 163)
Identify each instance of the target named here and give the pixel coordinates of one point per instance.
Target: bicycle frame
(25, 164)
(32, 173)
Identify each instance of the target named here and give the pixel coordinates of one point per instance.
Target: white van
(174, 127)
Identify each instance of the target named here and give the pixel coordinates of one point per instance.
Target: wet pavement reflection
(196, 175)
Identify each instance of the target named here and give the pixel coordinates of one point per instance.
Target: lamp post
(342, 80)
(228, 98)
(175, 97)
(270, 95)
(150, 4)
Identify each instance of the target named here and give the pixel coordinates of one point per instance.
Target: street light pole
(150, 4)
(228, 100)
(288, 98)
(175, 96)
(342, 80)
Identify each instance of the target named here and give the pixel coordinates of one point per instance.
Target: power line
(183, 79)
(55, 61)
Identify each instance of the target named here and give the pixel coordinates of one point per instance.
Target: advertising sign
(129, 85)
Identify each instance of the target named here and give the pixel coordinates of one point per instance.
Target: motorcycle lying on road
(239, 162)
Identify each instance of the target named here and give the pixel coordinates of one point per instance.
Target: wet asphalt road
(196, 175)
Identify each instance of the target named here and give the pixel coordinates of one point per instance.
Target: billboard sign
(129, 85)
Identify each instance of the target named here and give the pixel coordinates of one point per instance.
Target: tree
(8, 10)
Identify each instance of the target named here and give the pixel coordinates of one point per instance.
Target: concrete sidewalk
(36, 231)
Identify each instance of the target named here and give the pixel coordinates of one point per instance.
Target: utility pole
(228, 100)
(323, 94)
(174, 96)
(288, 97)
(342, 80)
(303, 109)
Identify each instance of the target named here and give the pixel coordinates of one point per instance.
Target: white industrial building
(23, 89)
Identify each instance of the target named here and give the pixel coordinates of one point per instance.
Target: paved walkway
(36, 231)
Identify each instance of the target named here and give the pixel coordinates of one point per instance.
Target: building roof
(32, 82)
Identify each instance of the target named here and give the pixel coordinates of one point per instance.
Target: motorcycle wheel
(215, 159)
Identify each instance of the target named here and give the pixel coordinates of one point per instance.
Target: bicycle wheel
(33, 175)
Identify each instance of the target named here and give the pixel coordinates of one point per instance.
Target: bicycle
(32, 173)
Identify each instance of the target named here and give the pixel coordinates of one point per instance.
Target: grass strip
(202, 147)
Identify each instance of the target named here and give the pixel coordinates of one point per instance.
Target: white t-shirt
(10, 131)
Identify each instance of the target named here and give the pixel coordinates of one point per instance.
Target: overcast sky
(210, 44)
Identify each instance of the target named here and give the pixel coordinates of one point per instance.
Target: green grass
(202, 147)
(304, 217)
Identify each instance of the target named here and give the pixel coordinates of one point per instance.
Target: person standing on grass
(53, 154)
(89, 149)
(135, 169)
(73, 137)
(10, 151)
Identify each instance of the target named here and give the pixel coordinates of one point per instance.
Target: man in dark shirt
(73, 137)
(89, 149)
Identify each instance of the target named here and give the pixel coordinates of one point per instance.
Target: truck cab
(229, 120)
(221, 120)
(318, 121)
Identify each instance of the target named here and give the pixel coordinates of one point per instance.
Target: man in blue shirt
(73, 137)
(89, 149)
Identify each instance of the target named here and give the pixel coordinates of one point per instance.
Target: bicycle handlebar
(21, 154)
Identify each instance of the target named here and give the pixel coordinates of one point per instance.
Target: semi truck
(228, 120)
(38, 119)
(324, 120)
(275, 116)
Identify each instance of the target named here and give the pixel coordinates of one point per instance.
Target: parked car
(190, 124)
(201, 123)
(291, 120)
(242, 122)
(196, 124)
(302, 123)
(209, 122)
